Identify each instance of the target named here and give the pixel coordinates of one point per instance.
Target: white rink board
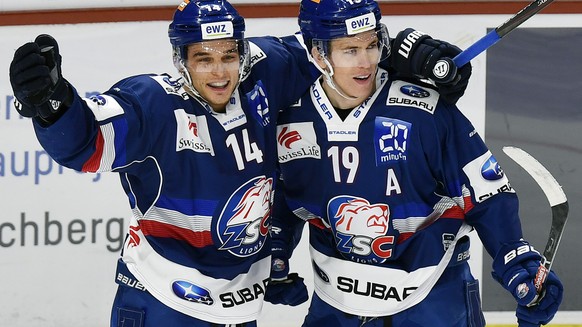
(64, 276)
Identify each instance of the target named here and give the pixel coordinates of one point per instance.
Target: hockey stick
(500, 31)
(558, 203)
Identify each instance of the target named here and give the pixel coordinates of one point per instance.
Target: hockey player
(196, 157)
(391, 179)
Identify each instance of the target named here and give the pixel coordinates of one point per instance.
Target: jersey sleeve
(284, 68)
(471, 174)
(107, 131)
(287, 228)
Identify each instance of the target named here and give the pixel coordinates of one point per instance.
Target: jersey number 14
(251, 149)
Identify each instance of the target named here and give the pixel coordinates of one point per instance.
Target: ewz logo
(361, 23)
(217, 30)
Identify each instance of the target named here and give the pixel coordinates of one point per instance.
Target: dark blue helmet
(330, 19)
(322, 21)
(204, 20)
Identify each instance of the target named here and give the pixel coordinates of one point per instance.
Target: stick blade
(559, 204)
(540, 174)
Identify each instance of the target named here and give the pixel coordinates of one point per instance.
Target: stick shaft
(500, 31)
(523, 15)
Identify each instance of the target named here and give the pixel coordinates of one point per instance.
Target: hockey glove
(515, 267)
(37, 81)
(288, 291)
(415, 54)
(284, 288)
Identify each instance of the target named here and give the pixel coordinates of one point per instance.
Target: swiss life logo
(192, 133)
(297, 141)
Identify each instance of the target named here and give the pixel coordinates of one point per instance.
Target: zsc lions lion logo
(243, 224)
(360, 229)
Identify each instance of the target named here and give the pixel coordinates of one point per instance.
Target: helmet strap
(244, 67)
(328, 75)
(188, 86)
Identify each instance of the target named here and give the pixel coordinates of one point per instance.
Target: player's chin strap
(328, 74)
(188, 86)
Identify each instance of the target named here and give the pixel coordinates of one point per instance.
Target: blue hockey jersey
(387, 192)
(199, 183)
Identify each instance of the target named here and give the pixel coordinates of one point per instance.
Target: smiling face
(214, 69)
(354, 60)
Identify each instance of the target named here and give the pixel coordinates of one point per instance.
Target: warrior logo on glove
(441, 69)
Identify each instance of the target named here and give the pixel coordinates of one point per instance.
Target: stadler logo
(414, 91)
(191, 292)
(491, 170)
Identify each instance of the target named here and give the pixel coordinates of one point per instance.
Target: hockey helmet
(206, 20)
(324, 20)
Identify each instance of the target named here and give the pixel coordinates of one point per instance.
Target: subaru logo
(191, 292)
(491, 170)
(414, 91)
(320, 272)
(99, 100)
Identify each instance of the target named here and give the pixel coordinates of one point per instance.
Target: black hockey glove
(37, 81)
(415, 54)
(284, 288)
(288, 291)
